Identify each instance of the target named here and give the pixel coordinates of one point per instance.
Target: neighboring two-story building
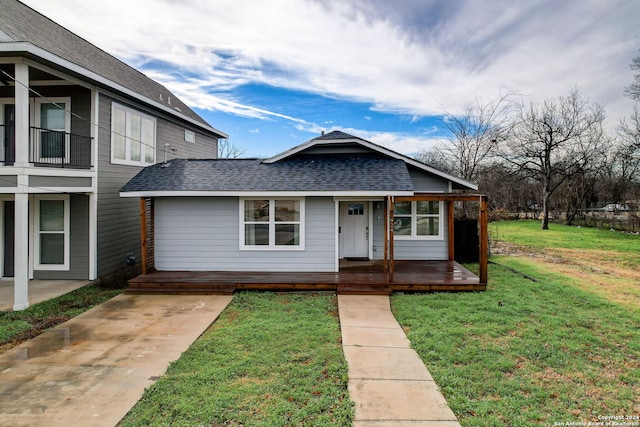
(75, 125)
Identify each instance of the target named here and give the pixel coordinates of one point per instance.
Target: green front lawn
(522, 353)
(268, 360)
(529, 234)
(537, 352)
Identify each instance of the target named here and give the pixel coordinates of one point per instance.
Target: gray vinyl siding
(78, 243)
(409, 249)
(204, 148)
(60, 181)
(202, 234)
(119, 218)
(9, 181)
(425, 183)
(378, 230)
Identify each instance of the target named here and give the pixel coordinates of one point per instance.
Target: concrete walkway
(91, 370)
(39, 290)
(387, 380)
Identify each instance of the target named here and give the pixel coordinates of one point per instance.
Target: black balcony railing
(48, 148)
(8, 151)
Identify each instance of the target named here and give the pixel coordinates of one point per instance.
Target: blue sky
(274, 74)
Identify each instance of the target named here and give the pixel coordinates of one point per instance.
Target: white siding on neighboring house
(201, 234)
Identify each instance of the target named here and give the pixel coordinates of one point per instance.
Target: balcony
(48, 148)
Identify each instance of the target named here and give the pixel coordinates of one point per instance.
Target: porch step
(180, 288)
(363, 290)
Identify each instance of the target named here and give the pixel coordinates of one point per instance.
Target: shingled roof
(304, 173)
(19, 24)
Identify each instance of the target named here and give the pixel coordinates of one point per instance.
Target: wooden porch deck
(355, 277)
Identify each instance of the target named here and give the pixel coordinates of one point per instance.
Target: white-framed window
(52, 227)
(418, 220)
(133, 136)
(189, 136)
(272, 224)
(52, 116)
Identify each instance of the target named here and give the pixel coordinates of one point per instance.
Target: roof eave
(350, 193)
(30, 49)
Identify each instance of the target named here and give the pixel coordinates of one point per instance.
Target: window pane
(287, 210)
(428, 208)
(402, 226)
(428, 226)
(52, 116)
(52, 143)
(355, 209)
(135, 135)
(256, 234)
(402, 208)
(118, 147)
(119, 127)
(52, 248)
(148, 140)
(51, 215)
(256, 210)
(287, 234)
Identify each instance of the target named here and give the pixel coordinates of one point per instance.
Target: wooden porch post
(451, 211)
(391, 208)
(143, 233)
(484, 240)
(386, 234)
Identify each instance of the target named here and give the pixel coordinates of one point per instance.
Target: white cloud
(412, 57)
(408, 145)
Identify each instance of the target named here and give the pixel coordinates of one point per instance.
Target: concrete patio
(91, 370)
(39, 290)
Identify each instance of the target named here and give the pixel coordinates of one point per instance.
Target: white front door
(354, 230)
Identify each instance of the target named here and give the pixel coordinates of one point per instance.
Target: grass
(19, 326)
(525, 353)
(614, 246)
(563, 348)
(268, 360)
(606, 263)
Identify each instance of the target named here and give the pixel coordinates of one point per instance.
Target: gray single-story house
(311, 209)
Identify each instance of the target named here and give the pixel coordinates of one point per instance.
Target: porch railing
(8, 150)
(48, 148)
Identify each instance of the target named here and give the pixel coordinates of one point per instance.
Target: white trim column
(21, 258)
(93, 235)
(22, 114)
(337, 234)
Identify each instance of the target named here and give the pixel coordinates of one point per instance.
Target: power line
(50, 101)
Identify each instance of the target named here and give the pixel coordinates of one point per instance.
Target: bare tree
(633, 90)
(624, 169)
(475, 133)
(629, 130)
(229, 150)
(555, 140)
(436, 158)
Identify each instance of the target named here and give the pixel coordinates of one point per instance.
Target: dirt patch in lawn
(606, 273)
